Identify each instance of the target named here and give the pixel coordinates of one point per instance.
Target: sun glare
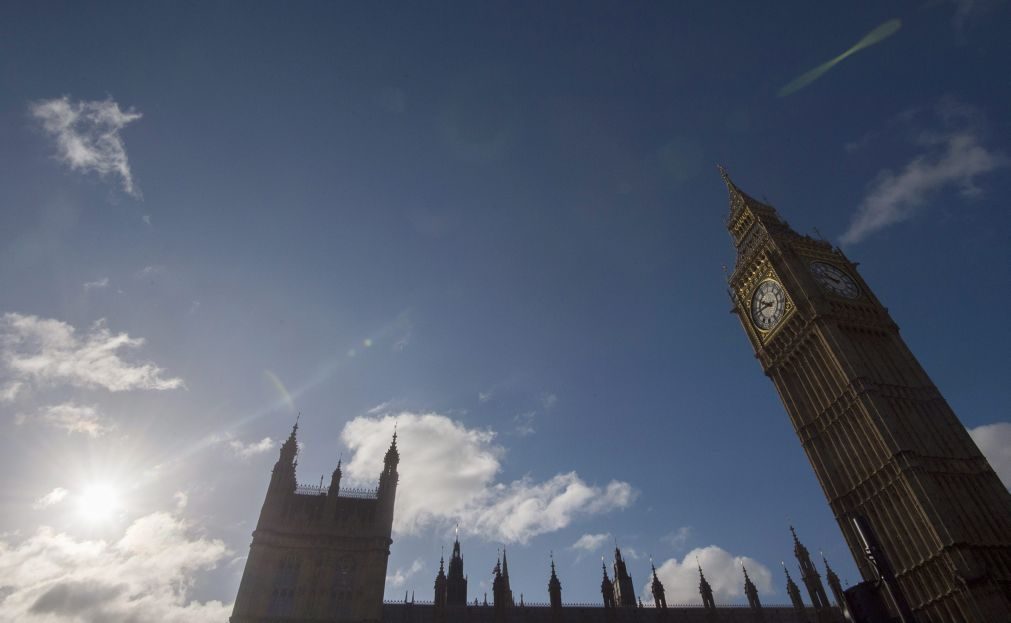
(98, 502)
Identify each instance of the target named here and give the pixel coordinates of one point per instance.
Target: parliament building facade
(925, 516)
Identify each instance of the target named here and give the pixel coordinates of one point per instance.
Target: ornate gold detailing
(747, 283)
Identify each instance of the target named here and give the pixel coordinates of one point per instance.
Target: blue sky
(500, 225)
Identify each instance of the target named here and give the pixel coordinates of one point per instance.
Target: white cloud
(447, 475)
(181, 499)
(98, 283)
(723, 572)
(147, 575)
(591, 542)
(87, 135)
(10, 391)
(75, 418)
(485, 396)
(401, 575)
(50, 351)
(994, 441)
(50, 499)
(678, 538)
(950, 158)
(246, 450)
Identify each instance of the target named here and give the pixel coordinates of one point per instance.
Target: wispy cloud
(525, 423)
(994, 441)
(98, 283)
(399, 577)
(954, 156)
(52, 498)
(246, 450)
(723, 572)
(678, 538)
(448, 475)
(87, 135)
(75, 418)
(146, 575)
(591, 542)
(48, 351)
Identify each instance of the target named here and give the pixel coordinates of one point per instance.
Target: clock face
(835, 280)
(768, 304)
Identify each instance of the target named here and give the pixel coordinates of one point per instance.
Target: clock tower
(882, 440)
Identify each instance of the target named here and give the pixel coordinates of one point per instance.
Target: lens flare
(877, 35)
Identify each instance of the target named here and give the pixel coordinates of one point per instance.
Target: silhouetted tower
(809, 575)
(624, 591)
(607, 587)
(440, 586)
(502, 596)
(793, 591)
(835, 586)
(656, 587)
(751, 591)
(507, 591)
(456, 582)
(882, 440)
(282, 479)
(316, 554)
(334, 491)
(554, 588)
(706, 591)
(388, 481)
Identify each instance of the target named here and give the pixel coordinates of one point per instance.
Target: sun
(98, 502)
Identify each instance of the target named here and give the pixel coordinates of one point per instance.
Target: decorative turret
(554, 587)
(502, 596)
(606, 587)
(284, 469)
(750, 590)
(656, 587)
(624, 590)
(705, 590)
(388, 480)
(812, 581)
(793, 592)
(335, 480)
(835, 586)
(440, 586)
(282, 479)
(390, 462)
(456, 582)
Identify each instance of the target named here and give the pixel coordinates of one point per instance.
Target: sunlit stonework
(882, 440)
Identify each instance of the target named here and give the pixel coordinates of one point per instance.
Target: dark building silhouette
(456, 582)
(624, 591)
(751, 591)
(656, 588)
(809, 575)
(318, 553)
(705, 591)
(607, 589)
(793, 591)
(882, 440)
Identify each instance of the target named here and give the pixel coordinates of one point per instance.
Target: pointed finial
(457, 531)
(724, 174)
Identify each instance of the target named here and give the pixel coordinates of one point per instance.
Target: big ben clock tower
(882, 440)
